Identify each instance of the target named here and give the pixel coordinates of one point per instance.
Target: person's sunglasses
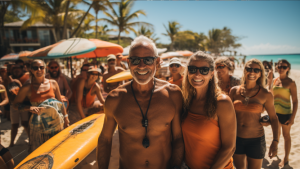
(202, 70)
(95, 74)
(256, 70)
(266, 67)
(220, 66)
(282, 67)
(37, 67)
(147, 60)
(175, 65)
(54, 67)
(111, 60)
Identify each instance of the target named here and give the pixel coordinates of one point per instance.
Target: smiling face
(39, 72)
(142, 73)
(281, 67)
(54, 70)
(93, 76)
(175, 69)
(111, 62)
(222, 70)
(17, 72)
(198, 80)
(252, 76)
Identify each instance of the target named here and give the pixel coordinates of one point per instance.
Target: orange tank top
(202, 141)
(177, 82)
(24, 78)
(88, 100)
(42, 96)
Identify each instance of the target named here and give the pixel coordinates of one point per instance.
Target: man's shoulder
(172, 89)
(117, 94)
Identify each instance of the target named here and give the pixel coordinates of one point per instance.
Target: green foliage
(188, 40)
(11, 16)
(172, 30)
(146, 32)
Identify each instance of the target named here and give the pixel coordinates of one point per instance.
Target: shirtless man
(112, 70)
(119, 63)
(148, 102)
(55, 74)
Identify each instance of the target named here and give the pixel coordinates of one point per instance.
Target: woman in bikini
(284, 88)
(208, 119)
(225, 69)
(250, 99)
(39, 90)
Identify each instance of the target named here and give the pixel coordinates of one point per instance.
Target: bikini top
(41, 96)
(250, 107)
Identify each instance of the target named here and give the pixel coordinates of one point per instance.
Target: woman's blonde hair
(189, 91)
(31, 65)
(225, 61)
(260, 81)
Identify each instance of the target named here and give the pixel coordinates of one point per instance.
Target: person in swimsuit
(38, 90)
(175, 68)
(6, 160)
(55, 74)
(268, 73)
(112, 70)
(284, 88)
(147, 113)
(85, 95)
(224, 68)
(3, 100)
(3, 74)
(208, 120)
(249, 100)
(119, 62)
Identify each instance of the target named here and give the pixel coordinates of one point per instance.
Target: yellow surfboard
(68, 148)
(2, 90)
(125, 75)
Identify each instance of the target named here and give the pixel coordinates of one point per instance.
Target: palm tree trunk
(119, 37)
(75, 31)
(3, 44)
(96, 24)
(65, 21)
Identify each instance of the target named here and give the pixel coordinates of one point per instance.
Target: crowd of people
(203, 117)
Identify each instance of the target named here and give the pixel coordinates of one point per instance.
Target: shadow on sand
(274, 165)
(20, 150)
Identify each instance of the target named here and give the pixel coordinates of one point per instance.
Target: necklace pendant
(246, 101)
(145, 122)
(146, 142)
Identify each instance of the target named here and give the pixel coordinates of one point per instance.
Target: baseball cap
(175, 61)
(3, 67)
(111, 56)
(94, 69)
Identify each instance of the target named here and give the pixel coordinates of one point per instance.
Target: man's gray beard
(52, 75)
(148, 80)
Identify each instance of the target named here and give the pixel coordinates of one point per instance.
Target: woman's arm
(269, 105)
(295, 103)
(4, 96)
(99, 94)
(58, 97)
(227, 123)
(67, 88)
(79, 96)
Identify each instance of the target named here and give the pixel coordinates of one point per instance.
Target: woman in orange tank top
(250, 99)
(208, 119)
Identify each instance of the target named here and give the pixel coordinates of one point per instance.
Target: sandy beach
(19, 151)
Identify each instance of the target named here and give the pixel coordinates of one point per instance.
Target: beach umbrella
(125, 75)
(103, 49)
(185, 53)
(169, 55)
(42, 52)
(14, 56)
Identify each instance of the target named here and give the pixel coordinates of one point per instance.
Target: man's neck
(143, 88)
(176, 76)
(111, 68)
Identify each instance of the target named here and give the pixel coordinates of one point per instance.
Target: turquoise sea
(294, 59)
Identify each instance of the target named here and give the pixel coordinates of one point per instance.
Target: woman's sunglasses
(202, 70)
(37, 67)
(220, 66)
(147, 60)
(175, 65)
(256, 70)
(282, 67)
(95, 74)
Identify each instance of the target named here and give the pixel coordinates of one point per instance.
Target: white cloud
(269, 49)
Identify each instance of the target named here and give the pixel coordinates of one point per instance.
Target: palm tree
(103, 30)
(146, 32)
(172, 30)
(123, 18)
(97, 6)
(213, 41)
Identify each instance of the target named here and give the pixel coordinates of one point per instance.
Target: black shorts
(252, 147)
(283, 117)
(3, 151)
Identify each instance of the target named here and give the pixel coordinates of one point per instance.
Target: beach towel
(47, 124)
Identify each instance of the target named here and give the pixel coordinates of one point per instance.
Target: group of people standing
(202, 118)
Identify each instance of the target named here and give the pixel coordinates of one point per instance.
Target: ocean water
(294, 59)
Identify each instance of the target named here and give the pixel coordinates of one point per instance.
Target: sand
(19, 151)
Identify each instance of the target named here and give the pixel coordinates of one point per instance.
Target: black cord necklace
(145, 142)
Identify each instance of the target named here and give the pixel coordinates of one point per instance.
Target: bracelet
(276, 140)
(66, 115)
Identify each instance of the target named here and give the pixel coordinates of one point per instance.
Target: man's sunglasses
(256, 70)
(175, 65)
(220, 66)
(54, 67)
(202, 70)
(282, 67)
(147, 60)
(37, 67)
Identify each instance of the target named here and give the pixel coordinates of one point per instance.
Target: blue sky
(268, 27)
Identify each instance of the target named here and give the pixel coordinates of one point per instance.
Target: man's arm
(105, 138)
(105, 86)
(269, 105)
(4, 96)
(99, 95)
(227, 124)
(79, 96)
(177, 141)
(67, 88)
(17, 103)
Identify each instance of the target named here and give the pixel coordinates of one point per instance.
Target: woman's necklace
(247, 98)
